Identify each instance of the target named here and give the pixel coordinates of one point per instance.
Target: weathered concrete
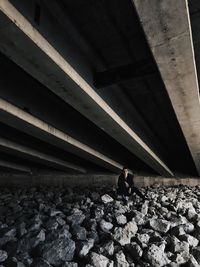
(21, 42)
(36, 156)
(143, 181)
(29, 124)
(166, 24)
(57, 179)
(14, 166)
(89, 180)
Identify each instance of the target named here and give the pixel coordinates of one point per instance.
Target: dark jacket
(122, 189)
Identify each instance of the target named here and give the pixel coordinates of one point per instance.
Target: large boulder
(123, 235)
(58, 251)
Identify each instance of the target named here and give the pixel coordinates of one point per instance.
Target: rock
(135, 250)
(160, 225)
(145, 207)
(120, 260)
(106, 199)
(143, 239)
(121, 219)
(76, 218)
(177, 231)
(70, 264)
(180, 258)
(58, 251)
(100, 260)
(60, 221)
(30, 240)
(39, 262)
(192, 262)
(79, 232)
(196, 253)
(51, 224)
(178, 246)
(84, 247)
(138, 218)
(123, 235)
(105, 226)
(95, 196)
(14, 263)
(97, 212)
(191, 240)
(188, 227)
(191, 213)
(107, 248)
(156, 256)
(3, 255)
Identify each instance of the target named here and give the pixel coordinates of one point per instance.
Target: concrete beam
(21, 42)
(36, 156)
(25, 122)
(14, 166)
(166, 24)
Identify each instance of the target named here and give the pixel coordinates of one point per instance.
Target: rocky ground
(62, 227)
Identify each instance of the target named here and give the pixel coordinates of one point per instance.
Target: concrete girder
(21, 42)
(23, 121)
(166, 24)
(14, 166)
(37, 156)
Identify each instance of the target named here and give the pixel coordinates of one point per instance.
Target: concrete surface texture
(168, 30)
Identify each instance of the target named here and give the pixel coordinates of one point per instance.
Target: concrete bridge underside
(88, 88)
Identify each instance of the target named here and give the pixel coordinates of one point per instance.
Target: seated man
(126, 184)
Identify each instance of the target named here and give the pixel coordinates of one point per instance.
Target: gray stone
(3, 255)
(160, 225)
(70, 264)
(84, 247)
(181, 258)
(135, 250)
(76, 218)
(107, 248)
(58, 251)
(191, 240)
(39, 262)
(30, 240)
(123, 235)
(156, 256)
(178, 246)
(143, 239)
(106, 199)
(105, 226)
(196, 253)
(79, 232)
(121, 219)
(192, 262)
(98, 260)
(120, 260)
(145, 207)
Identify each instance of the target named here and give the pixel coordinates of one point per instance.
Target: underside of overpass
(91, 86)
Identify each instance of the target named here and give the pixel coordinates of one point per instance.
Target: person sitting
(126, 185)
